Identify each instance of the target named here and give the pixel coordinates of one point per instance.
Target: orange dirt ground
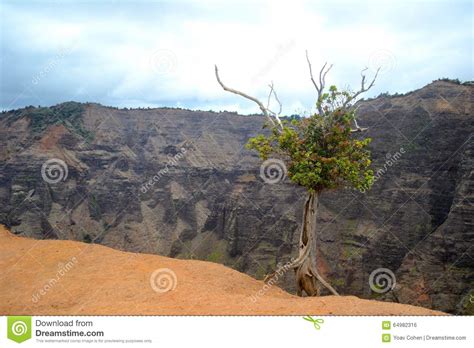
(104, 281)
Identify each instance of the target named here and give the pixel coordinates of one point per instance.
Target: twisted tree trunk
(308, 278)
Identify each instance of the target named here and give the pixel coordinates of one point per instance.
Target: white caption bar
(291, 331)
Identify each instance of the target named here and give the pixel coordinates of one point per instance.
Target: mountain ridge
(164, 107)
(211, 203)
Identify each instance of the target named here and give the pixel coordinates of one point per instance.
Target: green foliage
(467, 304)
(320, 151)
(340, 282)
(69, 114)
(447, 79)
(292, 117)
(216, 256)
(456, 81)
(94, 209)
(87, 238)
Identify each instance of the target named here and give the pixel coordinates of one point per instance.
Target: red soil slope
(70, 278)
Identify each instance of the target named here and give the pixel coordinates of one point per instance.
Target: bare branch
(362, 89)
(322, 80)
(273, 91)
(321, 87)
(255, 100)
(318, 88)
(269, 95)
(324, 76)
(358, 129)
(311, 73)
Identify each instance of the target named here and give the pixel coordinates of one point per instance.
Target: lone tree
(320, 152)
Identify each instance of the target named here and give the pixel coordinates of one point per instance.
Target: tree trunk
(308, 278)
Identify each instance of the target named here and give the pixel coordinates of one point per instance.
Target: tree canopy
(321, 151)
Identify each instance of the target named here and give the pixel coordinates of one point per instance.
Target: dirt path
(69, 278)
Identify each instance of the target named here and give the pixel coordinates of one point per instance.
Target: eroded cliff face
(180, 183)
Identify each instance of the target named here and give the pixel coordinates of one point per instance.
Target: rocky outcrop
(180, 183)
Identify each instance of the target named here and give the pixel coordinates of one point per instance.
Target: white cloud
(159, 53)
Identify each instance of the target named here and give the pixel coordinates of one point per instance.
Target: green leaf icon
(19, 328)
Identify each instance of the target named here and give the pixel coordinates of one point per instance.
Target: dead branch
(322, 81)
(322, 76)
(311, 73)
(266, 112)
(322, 84)
(358, 129)
(273, 92)
(362, 89)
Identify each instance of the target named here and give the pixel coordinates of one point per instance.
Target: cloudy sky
(162, 53)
